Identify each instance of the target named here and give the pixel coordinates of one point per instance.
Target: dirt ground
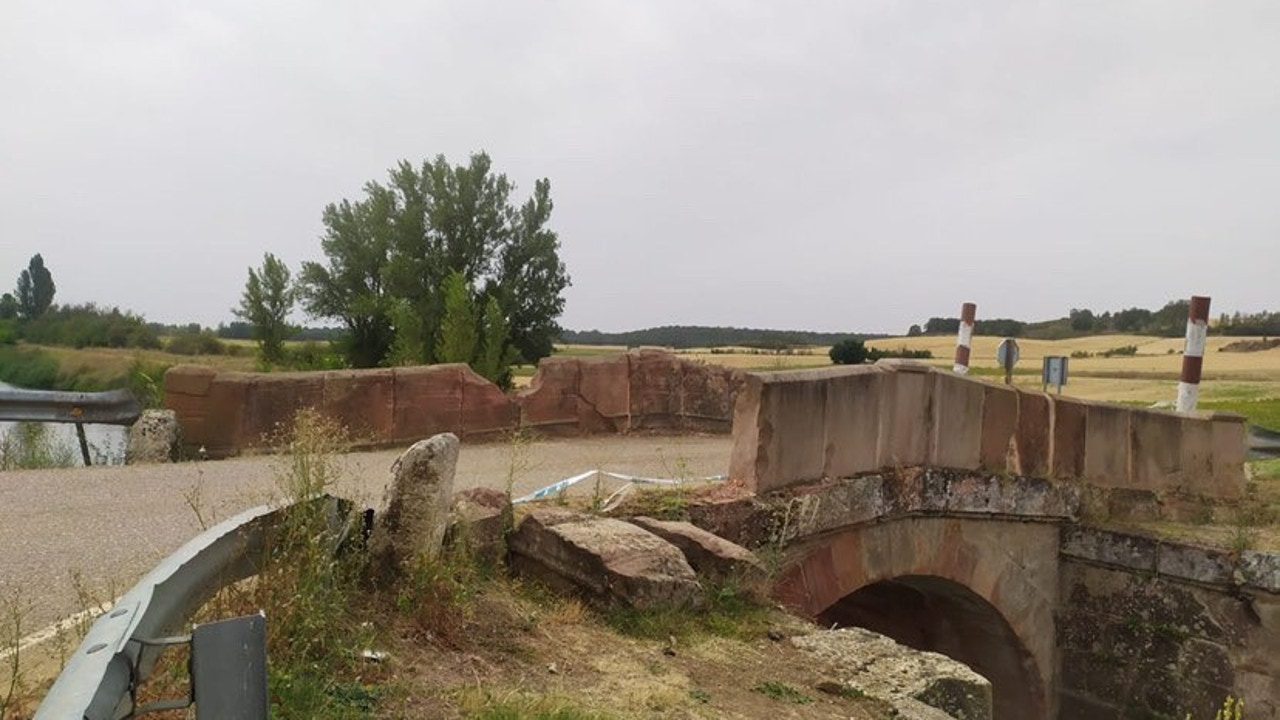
(535, 658)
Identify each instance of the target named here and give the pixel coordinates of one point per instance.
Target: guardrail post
(84, 444)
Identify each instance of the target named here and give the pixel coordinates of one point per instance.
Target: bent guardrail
(101, 679)
(1263, 443)
(114, 407)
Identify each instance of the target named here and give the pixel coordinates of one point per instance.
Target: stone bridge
(968, 518)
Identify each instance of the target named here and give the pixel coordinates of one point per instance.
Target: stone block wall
(226, 412)
(796, 427)
(1149, 629)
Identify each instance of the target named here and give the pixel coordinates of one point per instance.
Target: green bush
(29, 368)
(849, 351)
(1123, 351)
(89, 326)
(201, 343)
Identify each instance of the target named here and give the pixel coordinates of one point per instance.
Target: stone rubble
(154, 438)
(920, 685)
(610, 562)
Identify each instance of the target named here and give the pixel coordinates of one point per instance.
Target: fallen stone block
(480, 519)
(412, 527)
(609, 561)
(903, 677)
(154, 438)
(710, 555)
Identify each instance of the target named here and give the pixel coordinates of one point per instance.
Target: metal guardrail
(101, 680)
(114, 407)
(1263, 443)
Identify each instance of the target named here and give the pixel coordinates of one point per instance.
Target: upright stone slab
(1033, 439)
(779, 429)
(550, 403)
(906, 417)
(1068, 449)
(412, 527)
(853, 403)
(428, 400)
(362, 401)
(656, 377)
(707, 396)
(999, 425)
(1107, 446)
(957, 422)
(1155, 444)
(273, 401)
(1228, 456)
(487, 412)
(604, 394)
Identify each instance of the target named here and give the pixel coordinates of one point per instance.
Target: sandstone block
(906, 416)
(957, 422)
(609, 561)
(486, 410)
(188, 379)
(272, 401)
(154, 438)
(1228, 457)
(1068, 446)
(852, 422)
(412, 527)
(1195, 457)
(1106, 462)
(550, 403)
(1156, 446)
(711, 556)
(707, 396)
(428, 400)
(999, 425)
(1032, 440)
(363, 401)
(656, 378)
(899, 675)
(481, 518)
(213, 421)
(604, 394)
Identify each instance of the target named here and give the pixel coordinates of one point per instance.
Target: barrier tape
(562, 486)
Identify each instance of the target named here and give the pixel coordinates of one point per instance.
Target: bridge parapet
(792, 428)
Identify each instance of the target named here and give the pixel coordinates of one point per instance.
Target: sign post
(1055, 372)
(1007, 356)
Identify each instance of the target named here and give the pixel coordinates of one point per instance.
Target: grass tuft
(729, 612)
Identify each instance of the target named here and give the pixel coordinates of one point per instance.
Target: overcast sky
(833, 166)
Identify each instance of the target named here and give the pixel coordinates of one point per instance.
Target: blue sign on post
(1055, 371)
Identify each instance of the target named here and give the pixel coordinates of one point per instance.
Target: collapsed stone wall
(796, 427)
(227, 412)
(1149, 629)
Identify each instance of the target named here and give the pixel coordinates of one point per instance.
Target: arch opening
(939, 615)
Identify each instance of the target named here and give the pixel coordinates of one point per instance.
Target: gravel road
(112, 524)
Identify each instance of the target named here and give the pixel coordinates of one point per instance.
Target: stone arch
(995, 580)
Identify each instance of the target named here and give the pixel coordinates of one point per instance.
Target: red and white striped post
(1193, 354)
(964, 340)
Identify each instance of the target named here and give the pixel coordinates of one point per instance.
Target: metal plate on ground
(229, 669)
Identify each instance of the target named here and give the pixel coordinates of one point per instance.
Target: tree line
(695, 336)
(1168, 321)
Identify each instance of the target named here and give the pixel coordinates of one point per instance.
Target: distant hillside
(693, 336)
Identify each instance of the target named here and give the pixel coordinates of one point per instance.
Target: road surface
(110, 525)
